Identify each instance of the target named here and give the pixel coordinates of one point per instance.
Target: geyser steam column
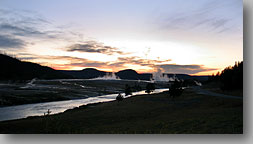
(108, 76)
(158, 76)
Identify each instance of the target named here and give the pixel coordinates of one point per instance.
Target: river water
(38, 109)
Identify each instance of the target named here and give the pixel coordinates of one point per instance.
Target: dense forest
(230, 78)
(15, 69)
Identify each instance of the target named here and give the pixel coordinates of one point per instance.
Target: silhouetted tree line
(150, 87)
(14, 69)
(230, 78)
(128, 90)
(176, 89)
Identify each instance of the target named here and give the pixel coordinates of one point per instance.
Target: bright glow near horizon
(183, 36)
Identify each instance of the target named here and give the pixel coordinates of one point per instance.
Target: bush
(150, 88)
(176, 89)
(128, 90)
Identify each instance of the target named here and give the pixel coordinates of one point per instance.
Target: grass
(9, 100)
(55, 90)
(215, 87)
(190, 113)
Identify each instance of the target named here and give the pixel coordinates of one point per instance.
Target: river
(38, 109)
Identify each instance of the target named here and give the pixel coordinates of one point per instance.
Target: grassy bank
(57, 90)
(215, 87)
(154, 113)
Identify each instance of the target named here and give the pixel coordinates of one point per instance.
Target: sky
(196, 37)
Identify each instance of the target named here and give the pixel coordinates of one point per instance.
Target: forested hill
(14, 69)
(230, 78)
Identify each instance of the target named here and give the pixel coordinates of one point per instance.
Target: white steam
(30, 84)
(158, 76)
(108, 76)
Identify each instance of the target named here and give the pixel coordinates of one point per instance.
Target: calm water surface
(38, 109)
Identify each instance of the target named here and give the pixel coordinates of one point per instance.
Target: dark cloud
(27, 25)
(139, 61)
(220, 23)
(88, 63)
(16, 27)
(20, 31)
(22, 23)
(29, 31)
(26, 56)
(71, 62)
(184, 69)
(78, 62)
(8, 42)
(209, 17)
(189, 22)
(119, 63)
(94, 47)
(23, 19)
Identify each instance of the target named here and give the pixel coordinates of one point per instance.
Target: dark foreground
(190, 113)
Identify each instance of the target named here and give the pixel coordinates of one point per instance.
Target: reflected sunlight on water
(23, 111)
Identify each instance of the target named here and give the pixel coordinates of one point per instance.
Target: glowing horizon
(196, 38)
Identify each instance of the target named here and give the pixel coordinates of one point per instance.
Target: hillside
(14, 69)
(87, 73)
(128, 74)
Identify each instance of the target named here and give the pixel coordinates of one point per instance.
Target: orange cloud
(134, 62)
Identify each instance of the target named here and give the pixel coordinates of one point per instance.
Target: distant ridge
(14, 69)
(128, 74)
(87, 73)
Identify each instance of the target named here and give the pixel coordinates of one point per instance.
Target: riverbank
(154, 113)
(38, 109)
(38, 91)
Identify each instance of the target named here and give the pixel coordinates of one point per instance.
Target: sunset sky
(196, 37)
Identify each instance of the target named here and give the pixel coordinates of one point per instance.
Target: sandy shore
(154, 113)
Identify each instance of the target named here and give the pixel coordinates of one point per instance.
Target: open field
(37, 91)
(215, 87)
(154, 113)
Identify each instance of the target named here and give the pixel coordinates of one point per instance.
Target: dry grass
(145, 114)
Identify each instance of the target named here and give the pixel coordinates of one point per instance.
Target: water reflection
(23, 111)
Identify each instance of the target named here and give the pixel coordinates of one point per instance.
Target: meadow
(191, 113)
